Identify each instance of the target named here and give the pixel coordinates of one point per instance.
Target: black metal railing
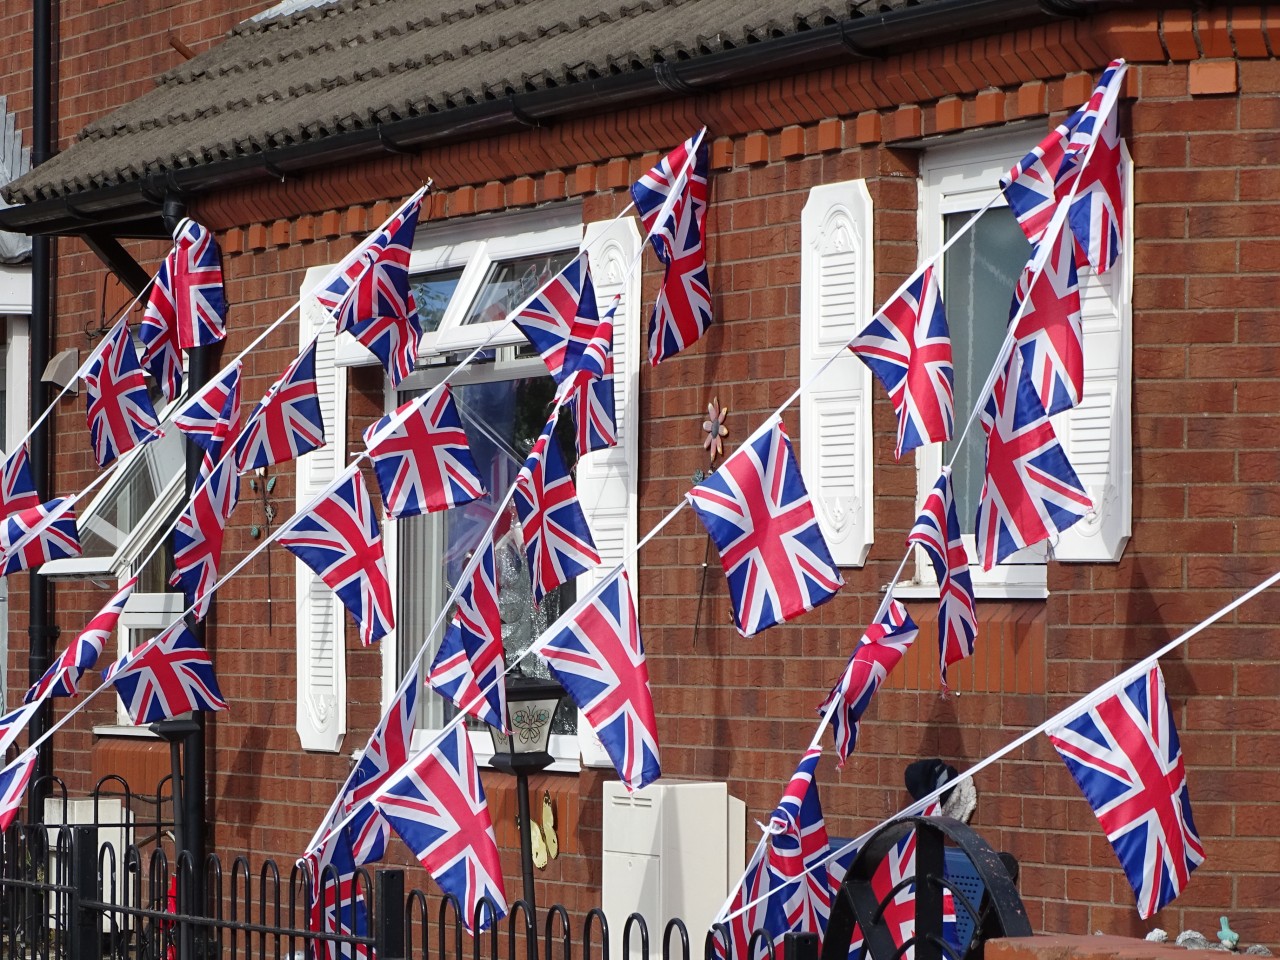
(85, 892)
(69, 896)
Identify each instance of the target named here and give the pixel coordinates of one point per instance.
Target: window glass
(503, 419)
(509, 283)
(432, 293)
(979, 274)
(106, 528)
(154, 576)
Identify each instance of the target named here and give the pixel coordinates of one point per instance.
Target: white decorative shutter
(321, 624)
(836, 271)
(606, 479)
(1097, 434)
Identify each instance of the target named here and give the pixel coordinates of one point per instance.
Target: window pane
(510, 282)
(979, 274)
(432, 293)
(154, 577)
(104, 529)
(503, 420)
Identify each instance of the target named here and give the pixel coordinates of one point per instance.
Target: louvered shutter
(322, 671)
(606, 479)
(1098, 434)
(835, 412)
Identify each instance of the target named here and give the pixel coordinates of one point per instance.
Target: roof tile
(350, 64)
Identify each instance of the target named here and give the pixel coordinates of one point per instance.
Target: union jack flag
(678, 181)
(760, 517)
(168, 675)
(340, 540)
(13, 784)
(590, 390)
(878, 652)
(765, 914)
(937, 529)
(211, 420)
(596, 653)
(672, 202)
(468, 667)
(1125, 756)
(1030, 488)
(212, 416)
(200, 531)
(907, 345)
(899, 902)
(1045, 177)
(798, 849)
(421, 457)
(386, 752)
(1048, 338)
(197, 299)
(17, 489)
(561, 319)
(594, 415)
(287, 422)
(42, 533)
(438, 808)
(61, 678)
(379, 310)
(118, 409)
(596, 360)
(1097, 212)
(338, 292)
(557, 541)
(14, 722)
(336, 902)
(158, 334)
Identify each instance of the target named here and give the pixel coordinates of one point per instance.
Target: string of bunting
(369, 297)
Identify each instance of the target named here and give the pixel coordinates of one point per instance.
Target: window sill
(559, 765)
(123, 730)
(993, 591)
(482, 749)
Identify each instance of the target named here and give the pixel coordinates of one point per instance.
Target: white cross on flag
(761, 519)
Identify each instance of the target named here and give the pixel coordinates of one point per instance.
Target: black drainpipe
(42, 634)
(194, 786)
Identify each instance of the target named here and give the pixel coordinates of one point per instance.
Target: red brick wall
(1205, 501)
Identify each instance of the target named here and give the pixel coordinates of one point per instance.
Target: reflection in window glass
(979, 274)
(432, 293)
(510, 282)
(154, 577)
(502, 420)
(105, 528)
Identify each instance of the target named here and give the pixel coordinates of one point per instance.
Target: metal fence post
(800, 946)
(389, 923)
(85, 933)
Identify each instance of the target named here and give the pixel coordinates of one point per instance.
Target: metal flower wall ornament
(715, 429)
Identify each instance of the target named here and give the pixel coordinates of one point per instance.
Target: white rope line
(1061, 718)
(1052, 234)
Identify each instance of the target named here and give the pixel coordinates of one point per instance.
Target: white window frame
(150, 613)
(471, 247)
(475, 246)
(606, 479)
(565, 749)
(143, 534)
(957, 177)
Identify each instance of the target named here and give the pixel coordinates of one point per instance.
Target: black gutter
(42, 634)
(133, 208)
